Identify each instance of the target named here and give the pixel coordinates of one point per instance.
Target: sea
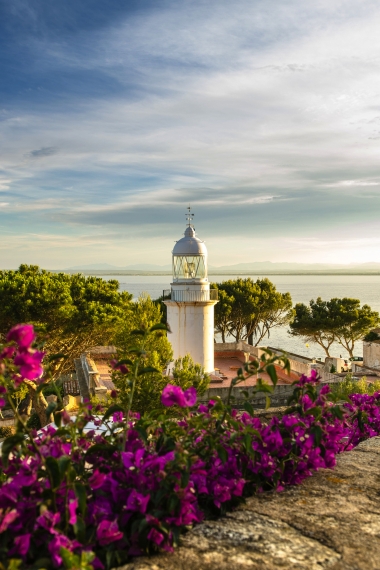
(302, 288)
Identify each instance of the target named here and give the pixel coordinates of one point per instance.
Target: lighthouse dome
(189, 258)
(190, 244)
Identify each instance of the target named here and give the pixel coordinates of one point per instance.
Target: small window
(189, 267)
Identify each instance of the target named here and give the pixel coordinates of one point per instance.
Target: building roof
(190, 244)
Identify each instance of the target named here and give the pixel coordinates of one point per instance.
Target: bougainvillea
(78, 497)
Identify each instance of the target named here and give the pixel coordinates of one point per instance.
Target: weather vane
(189, 216)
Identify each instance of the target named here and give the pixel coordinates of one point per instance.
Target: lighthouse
(190, 310)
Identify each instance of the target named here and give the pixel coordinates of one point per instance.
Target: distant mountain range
(251, 267)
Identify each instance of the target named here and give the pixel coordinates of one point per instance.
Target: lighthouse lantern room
(190, 310)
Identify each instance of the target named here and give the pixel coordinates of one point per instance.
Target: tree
(223, 310)
(248, 310)
(70, 312)
(352, 321)
(187, 373)
(157, 354)
(273, 309)
(313, 324)
(337, 320)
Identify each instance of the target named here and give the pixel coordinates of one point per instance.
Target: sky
(264, 115)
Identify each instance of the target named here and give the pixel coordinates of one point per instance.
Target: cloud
(265, 125)
(42, 152)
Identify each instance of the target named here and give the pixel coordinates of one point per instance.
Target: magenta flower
(7, 352)
(22, 544)
(190, 396)
(22, 334)
(8, 519)
(97, 479)
(3, 390)
(137, 502)
(175, 396)
(108, 532)
(30, 364)
(117, 417)
(121, 367)
(73, 505)
(155, 536)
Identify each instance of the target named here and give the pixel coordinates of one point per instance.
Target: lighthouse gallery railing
(189, 296)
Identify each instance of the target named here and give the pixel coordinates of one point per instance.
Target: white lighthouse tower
(190, 311)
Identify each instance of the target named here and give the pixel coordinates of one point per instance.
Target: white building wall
(192, 331)
(371, 354)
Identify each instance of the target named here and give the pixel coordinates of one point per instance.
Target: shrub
(72, 498)
(342, 390)
(5, 431)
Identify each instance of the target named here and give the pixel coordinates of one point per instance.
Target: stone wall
(371, 354)
(330, 522)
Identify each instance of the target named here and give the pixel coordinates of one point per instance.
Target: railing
(190, 296)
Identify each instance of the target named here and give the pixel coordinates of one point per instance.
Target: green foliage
(19, 395)
(337, 320)
(186, 374)
(142, 315)
(6, 431)
(249, 309)
(349, 385)
(332, 369)
(371, 336)
(34, 422)
(150, 349)
(71, 312)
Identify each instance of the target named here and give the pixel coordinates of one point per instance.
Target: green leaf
(111, 410)
(222, 453)
(58, 356)
(271, 371)
(317, 432)
(158, 327)
(40, 387)
(80, 530)
(267, 402)
(138, 332)
(146, 370)
(52, 467)
(50, 409)
(125, 361)
(137, 351)
(249, 408)
(64, 463)
(103, 447)
(8, 444)
(58, 419)
(80, 491)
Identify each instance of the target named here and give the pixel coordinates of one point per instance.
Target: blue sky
(114, 115)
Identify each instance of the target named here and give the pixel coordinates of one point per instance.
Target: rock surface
(331, 521)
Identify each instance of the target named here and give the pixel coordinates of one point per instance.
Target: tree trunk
(223, 336)
(40, 405)
(250, 339)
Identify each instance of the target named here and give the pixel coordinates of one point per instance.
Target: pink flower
(117, 417)
(190, 396)
(22, 334)
(137, 502)
(108, 532)
(73, 505)
(97, 479)
(7, 352)
(8, 519)
(22, 544)
(30, 364)
(155, 536)
(121, 367)
(175, 396)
